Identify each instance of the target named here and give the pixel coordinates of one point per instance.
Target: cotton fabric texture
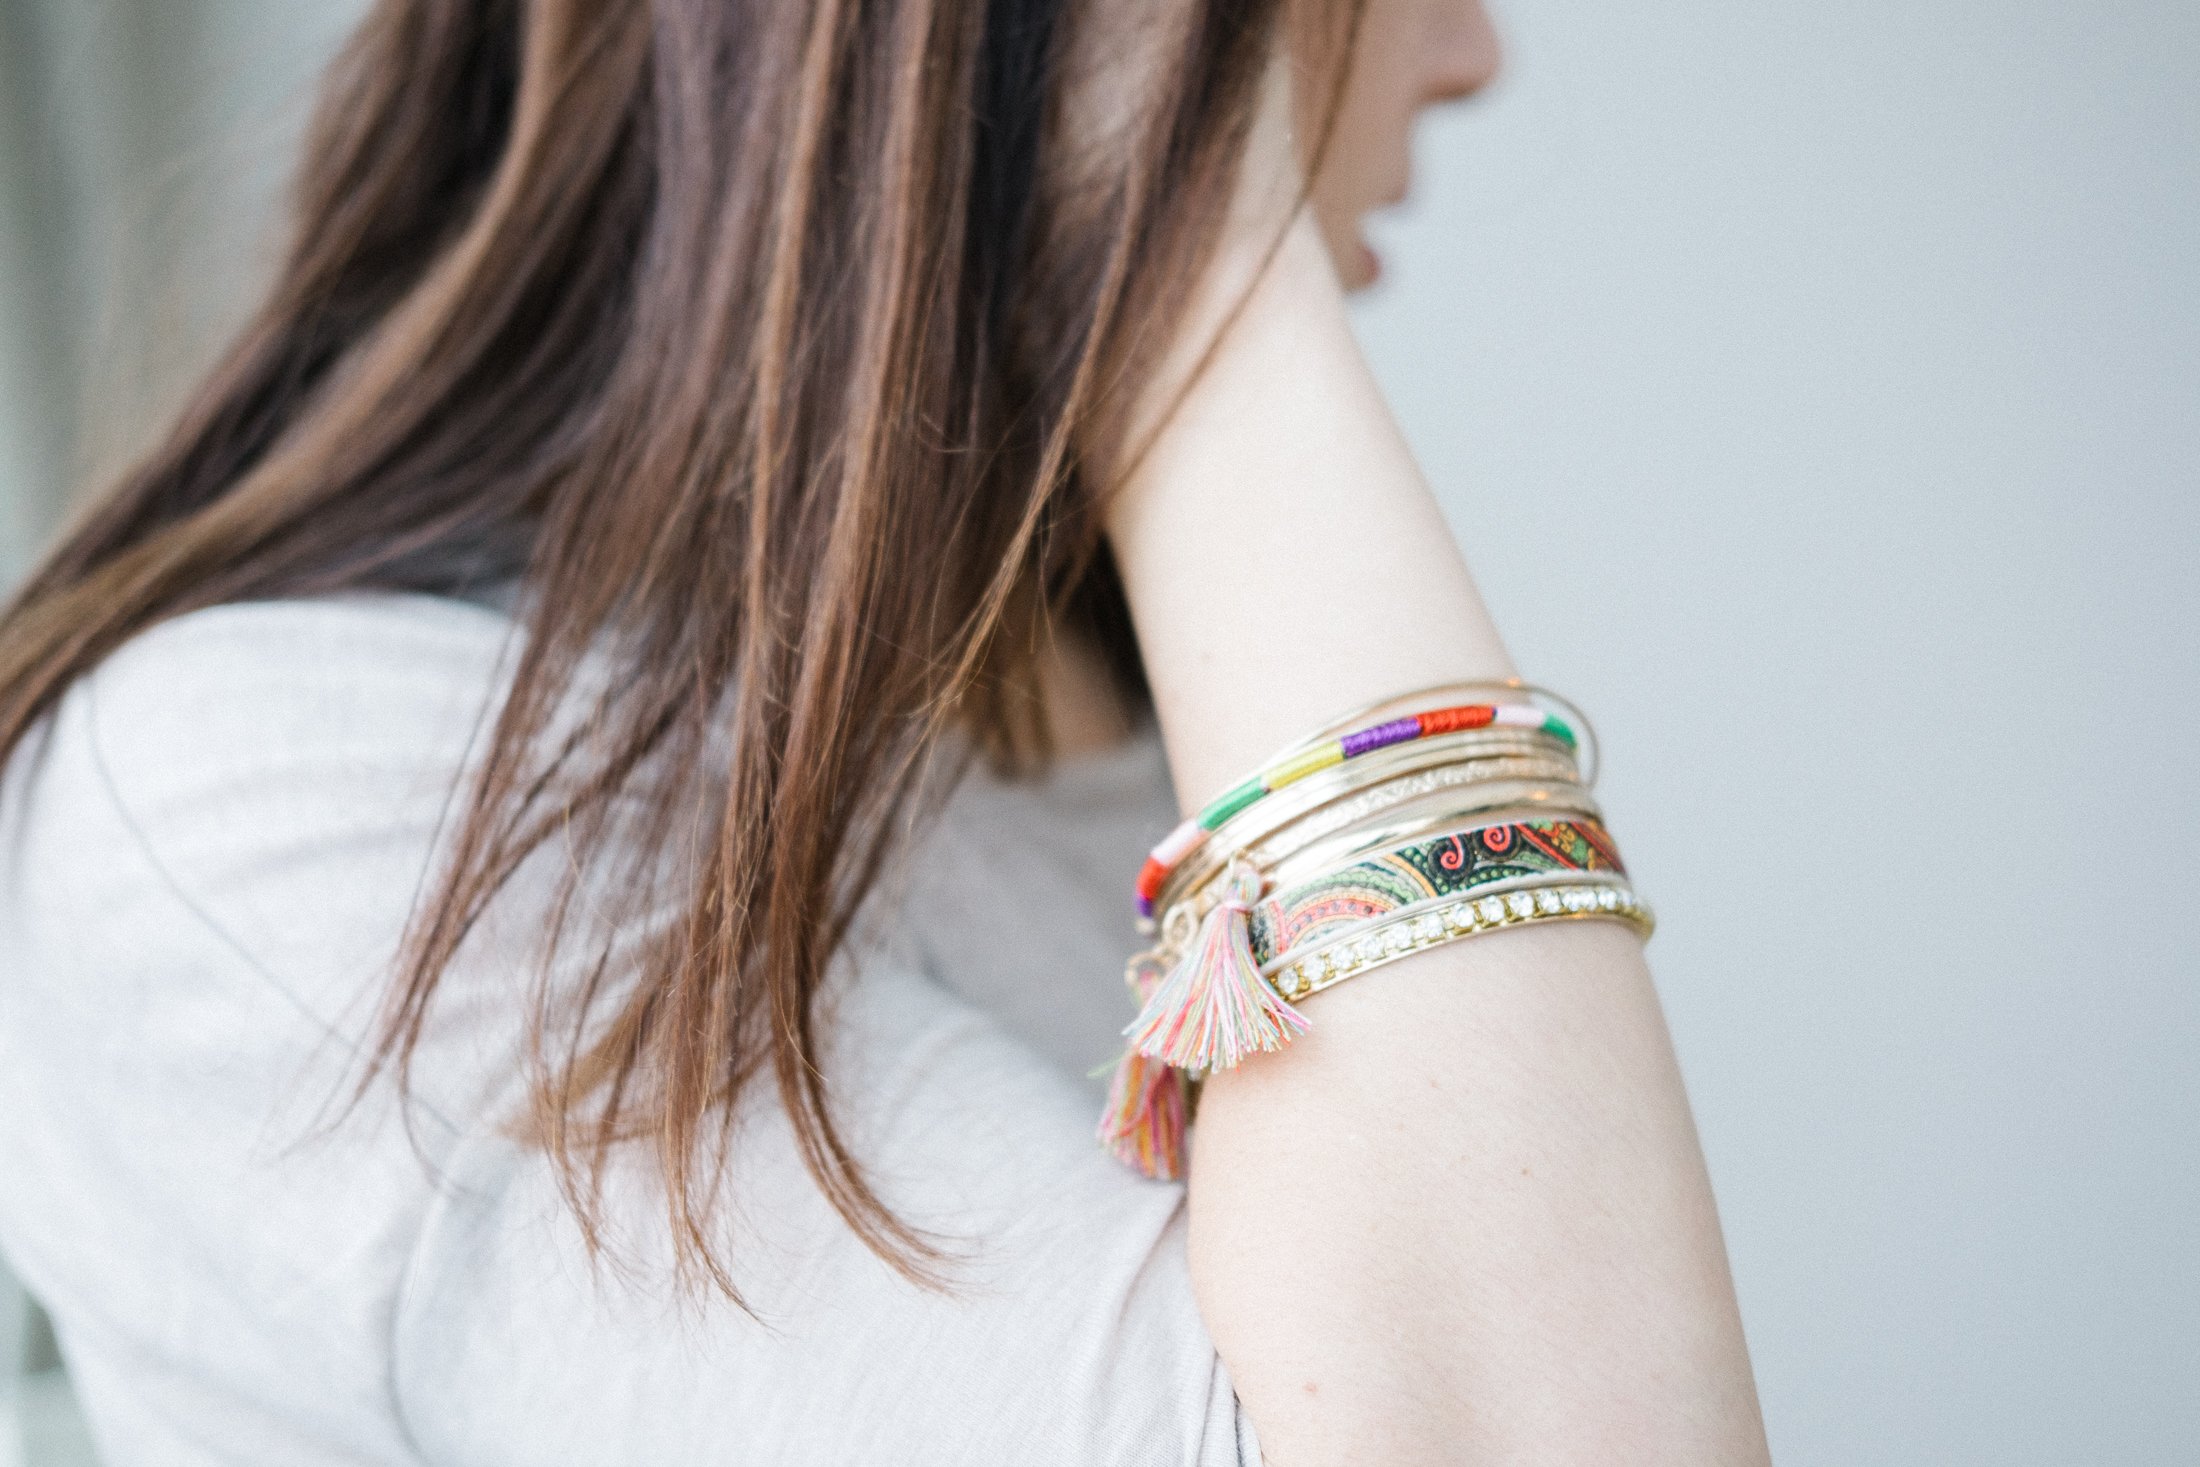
(207, 858)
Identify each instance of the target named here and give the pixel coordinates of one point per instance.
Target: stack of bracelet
(1416, 822)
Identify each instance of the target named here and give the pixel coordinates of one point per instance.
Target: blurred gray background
(1817, 393)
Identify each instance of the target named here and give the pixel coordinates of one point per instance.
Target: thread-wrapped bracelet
(1347, 872)
(1297, 765)
(1346, 797)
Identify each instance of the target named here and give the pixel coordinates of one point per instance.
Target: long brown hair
(756, 341)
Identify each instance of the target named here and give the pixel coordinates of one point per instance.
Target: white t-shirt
(207, 857)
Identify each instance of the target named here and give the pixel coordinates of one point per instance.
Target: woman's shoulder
(240, 733)
(309, 662)
(288, 712)
(238, 807)
(208, 853)
(250, 793)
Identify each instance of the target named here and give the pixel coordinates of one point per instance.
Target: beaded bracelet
(1430, 924)
(1297, 765)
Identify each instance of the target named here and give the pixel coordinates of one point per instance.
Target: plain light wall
(1816, 391)
(142, 150)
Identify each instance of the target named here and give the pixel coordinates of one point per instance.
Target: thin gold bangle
(1294, 802)
(1416, 805)
(1477, 804)
(1346, 802)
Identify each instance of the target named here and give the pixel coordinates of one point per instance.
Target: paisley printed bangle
(1431, 924)
(1411, 875)
(1353, 794)
(1299, 856)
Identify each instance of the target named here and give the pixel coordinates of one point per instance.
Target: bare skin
(1466, 1219)
(1410, 56)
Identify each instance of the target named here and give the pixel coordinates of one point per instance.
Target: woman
(562, 832)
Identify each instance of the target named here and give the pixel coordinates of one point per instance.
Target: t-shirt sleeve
(1063, 1329)
(205, 873)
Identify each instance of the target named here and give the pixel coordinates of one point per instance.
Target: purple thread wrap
(1381, 736)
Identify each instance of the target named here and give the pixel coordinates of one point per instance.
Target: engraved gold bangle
(1386, 798)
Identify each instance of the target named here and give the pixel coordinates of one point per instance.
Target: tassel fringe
(1144, 1123)
(1214, 1008)
(1148, 1109)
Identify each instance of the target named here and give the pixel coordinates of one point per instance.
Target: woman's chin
(1371, 264)
(1358, 265)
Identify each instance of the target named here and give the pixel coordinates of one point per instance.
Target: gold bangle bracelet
(1408, 790)
(1348, 806)
(1283, 860)
(1478, 803)
(1300, 973)
(1345, 781)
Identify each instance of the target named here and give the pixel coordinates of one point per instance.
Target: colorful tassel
(1214, 1008)
(1148, 1109)
(1144, 1123)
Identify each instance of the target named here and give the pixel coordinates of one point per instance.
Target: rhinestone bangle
(1409, 930)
